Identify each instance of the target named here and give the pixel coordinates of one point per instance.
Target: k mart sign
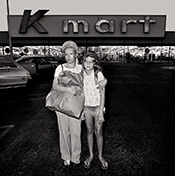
(39, 24)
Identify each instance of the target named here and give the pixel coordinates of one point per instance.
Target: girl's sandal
(87, 163)
(104, 164)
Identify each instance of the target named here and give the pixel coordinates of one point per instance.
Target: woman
(69, 128)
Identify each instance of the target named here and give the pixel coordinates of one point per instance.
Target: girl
(94, 83)
(69, 128)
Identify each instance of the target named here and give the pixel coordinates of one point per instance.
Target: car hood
(19, 71)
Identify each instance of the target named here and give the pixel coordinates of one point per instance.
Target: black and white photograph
(87, 88)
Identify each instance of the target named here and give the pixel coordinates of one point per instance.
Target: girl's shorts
(91, 110)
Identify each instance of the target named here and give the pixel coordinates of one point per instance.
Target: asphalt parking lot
(138, 127)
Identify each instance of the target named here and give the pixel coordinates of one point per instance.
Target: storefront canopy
(168, 40)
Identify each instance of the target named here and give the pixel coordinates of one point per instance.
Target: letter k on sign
(28, 21)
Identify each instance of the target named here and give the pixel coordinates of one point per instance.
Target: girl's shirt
(76, 69)
(92, 94)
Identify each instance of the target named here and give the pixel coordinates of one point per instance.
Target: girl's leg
(90, 132)
(99, 136)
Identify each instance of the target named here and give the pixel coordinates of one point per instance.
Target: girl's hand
(100, 118)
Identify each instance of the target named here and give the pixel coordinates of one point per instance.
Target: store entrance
(118, 54)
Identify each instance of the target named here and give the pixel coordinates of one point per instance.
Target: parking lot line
(5, 129)
(29, 99)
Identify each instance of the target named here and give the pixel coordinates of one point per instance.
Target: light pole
(9, 30)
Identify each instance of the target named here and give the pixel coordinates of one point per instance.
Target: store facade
(40, 29)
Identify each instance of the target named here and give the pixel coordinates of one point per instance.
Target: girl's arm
(102, 83)
(101, 107)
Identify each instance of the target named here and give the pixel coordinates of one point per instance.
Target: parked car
(37, 64)
(12, 75)
(55, 61)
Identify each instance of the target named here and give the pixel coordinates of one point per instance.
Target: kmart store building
(112, 36)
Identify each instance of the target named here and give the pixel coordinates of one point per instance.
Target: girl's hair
(97, 67)
(91, 54)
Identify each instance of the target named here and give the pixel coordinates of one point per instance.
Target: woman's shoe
(75, 163)
(67, 162)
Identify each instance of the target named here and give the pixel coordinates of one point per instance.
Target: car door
(28, 64)
(12, 74)
(53, 61)
(6, 77)
(43, 64)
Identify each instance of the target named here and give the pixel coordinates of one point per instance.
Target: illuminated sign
(28, 20)
(41, 25)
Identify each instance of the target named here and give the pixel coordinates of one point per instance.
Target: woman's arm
(75, 90)
(56, 86)
(102, 81)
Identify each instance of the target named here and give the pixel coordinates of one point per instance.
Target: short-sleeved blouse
(76, 69)
(92, 94)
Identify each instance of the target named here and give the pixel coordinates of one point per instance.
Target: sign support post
(9, 30)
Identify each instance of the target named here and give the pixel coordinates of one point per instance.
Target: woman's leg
(75, 133)
(63, 126)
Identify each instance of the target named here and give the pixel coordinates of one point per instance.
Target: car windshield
(26, 60)
(6, 63)
(50, 58)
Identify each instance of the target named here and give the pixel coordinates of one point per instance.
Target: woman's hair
(69, 44)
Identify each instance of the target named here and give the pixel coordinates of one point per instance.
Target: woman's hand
(101, 85)
(82, 116)
(74, 90)
(100, 88)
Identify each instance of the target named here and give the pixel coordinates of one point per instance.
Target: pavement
(138, 128)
